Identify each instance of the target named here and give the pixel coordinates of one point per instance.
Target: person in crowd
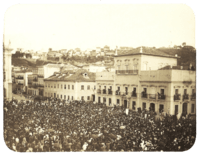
(57, 125)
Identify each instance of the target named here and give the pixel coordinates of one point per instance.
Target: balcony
(185, 97)
(33, 86)
(40, 76)
(41, 85)
(104, 91)
(134, 94)
(161, 96)
(132, 72)
(144, 95)
(20, 83)
(117, 93)
(35, 80)
(152, 96)
(177, 97)
(193, 96)
(19, 78)
(109, 92)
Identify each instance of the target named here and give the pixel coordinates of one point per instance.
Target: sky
(69, 26)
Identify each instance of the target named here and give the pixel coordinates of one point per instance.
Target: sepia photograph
(99, 78)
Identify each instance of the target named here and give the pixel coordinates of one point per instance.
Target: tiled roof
(76, 76)
(145, 50)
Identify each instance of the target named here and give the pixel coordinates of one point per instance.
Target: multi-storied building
(70, 85)
(140, 81)
(21, 80)
(36, 81)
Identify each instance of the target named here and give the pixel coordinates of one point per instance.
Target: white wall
(156, 62)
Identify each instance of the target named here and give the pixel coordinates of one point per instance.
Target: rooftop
(145, 51)
(72, 76)
(168, 67)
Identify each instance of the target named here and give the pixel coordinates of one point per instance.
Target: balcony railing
(109, 92)
(40, 85)
(177, 97)
(35, 80)
(134, 94)
(144, 95)
(19, 78)
(33, 86)
(193, 97)
(152, 96)
(161, 96)
(20, 83)
(41, 76)
(117, 93)
(185, 97)
(133, 72)
(104, 91)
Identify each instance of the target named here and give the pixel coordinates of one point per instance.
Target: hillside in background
(23, 62)
(186, 56)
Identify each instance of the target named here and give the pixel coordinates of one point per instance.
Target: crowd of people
(57, 125)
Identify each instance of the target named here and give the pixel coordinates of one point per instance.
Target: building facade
(79, 85)
(36, 82)
(140, 82)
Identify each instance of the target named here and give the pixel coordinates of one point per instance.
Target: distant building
(110, 53)
(126, 48)
(53, 53)
(98, 49)
(94, 68)
(93, 53)
(79, 85)
(106, 48)
(77, 50)
(63, 51)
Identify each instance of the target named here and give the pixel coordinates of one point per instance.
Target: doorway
(176, 109)
(99, 99)
(93, 96)
(152, 106)
(184, 108)
(161, 108)
(125, 103)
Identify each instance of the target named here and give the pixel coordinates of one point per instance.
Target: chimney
(141, 50)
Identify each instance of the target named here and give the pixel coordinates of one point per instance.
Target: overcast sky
(88, 26)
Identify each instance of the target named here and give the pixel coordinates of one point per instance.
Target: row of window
(152, 105)
(64, 96)
(145, 90)
(65, 86)
(59, 86)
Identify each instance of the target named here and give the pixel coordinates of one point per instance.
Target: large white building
(148, 78)
(71, 85)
